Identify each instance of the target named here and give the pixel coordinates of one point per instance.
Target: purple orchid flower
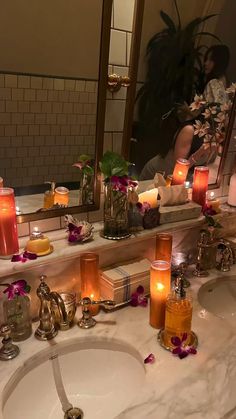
(208, 210)
(122, 183)
(74, 233)
(16, 288)
(150, 359)
(138, 298)
(182, 350)
(23, 257)
(143, 207)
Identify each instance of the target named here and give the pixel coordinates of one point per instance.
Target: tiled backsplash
(46, 123)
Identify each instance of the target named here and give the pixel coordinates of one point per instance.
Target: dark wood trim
(133, 72)
(101, 107)
(226, 147)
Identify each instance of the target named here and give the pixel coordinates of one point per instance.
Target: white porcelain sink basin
(100, 377)
(219, 296)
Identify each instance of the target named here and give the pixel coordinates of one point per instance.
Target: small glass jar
(17, 315)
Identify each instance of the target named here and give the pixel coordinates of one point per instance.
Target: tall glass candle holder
(160, 279)
(200, 185)
(89, 271)
(8, 225)
(180, 171)
(164, 246)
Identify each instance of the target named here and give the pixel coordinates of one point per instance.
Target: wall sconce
(115, 82)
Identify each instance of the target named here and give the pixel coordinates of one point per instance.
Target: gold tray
(193, 340)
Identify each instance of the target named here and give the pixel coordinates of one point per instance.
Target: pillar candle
(200, 184)
(150, 197)
(89, 271)
(180, 171)
(160, 279)
(212, 201)
(61, 196)
(8, 225)
(232, 191)
(163, 246)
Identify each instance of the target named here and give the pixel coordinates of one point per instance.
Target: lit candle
(89, 271)
(1, 182)
(200, 185)
(169, 180)
(150, 197)
(36, 234)
(61, 196)
(163, 246)
(18, 211)
(188, 186)
(8, 225)
(232, 191)
(160, 278)
(180, 171)
(213, 201)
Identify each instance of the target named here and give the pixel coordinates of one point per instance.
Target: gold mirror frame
(100, 122)
(131, 94)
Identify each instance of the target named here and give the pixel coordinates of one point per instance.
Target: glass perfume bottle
(17, 315)
(178, 315)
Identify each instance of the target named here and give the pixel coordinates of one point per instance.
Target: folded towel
(173, 195)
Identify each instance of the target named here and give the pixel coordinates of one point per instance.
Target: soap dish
(193, 340)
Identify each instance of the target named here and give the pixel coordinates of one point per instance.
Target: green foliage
(84, 158)
(211, 222)
(174, 67)
(112, 164)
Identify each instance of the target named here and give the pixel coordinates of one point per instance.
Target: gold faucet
(87, 320)
(223, 253)
(46, 329)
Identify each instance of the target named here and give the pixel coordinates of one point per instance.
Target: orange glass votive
(180, 171)
(89, 271)
(8, 225)
(160, 279)
(1, 182)
(200, 184)
(164, 246)
(61, 196)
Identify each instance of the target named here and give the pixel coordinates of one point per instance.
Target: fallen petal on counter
(150, 359)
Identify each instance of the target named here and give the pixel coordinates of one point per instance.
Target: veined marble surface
(200, 386)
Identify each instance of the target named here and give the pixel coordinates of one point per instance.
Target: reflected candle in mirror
(160, 278)
(164, 246)
(1, 182)
(212, 201)
(200, 184)
(150, 197)
(180, 171)
(61, 196)
(89, 272)
(8, 226)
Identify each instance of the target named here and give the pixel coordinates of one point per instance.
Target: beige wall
(51, 37)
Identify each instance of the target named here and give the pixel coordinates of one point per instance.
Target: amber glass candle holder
(200, 184)
(180, 171)
(160, 279)
(8, 225)
(164, 246)
(61, 196)
(89, 271)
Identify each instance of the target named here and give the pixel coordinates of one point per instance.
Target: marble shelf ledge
(64, 251)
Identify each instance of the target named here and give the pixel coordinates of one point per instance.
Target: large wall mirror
(53, 73)
(175, 56)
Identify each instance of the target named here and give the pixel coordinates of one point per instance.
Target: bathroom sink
(100, 377)
(219, 296)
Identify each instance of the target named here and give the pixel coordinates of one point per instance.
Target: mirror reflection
(49, 79)
(184, 91)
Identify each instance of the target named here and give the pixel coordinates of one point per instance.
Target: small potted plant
(117, 184)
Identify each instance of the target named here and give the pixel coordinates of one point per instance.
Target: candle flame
(160, 286)
(36, 229)
(91, 296)
(180, 173)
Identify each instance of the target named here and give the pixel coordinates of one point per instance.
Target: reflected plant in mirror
(85, 165)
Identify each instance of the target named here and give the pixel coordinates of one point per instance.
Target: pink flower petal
(140, 289)
(175, 340)
(150, 359)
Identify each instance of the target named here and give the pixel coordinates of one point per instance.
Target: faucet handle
(8, 350)
(87, 320)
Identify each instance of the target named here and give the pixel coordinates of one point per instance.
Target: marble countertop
(198, 387)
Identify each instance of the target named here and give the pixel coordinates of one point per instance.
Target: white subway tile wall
(46, 123)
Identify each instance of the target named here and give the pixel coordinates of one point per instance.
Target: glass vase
(116, 207)
(17, 315)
